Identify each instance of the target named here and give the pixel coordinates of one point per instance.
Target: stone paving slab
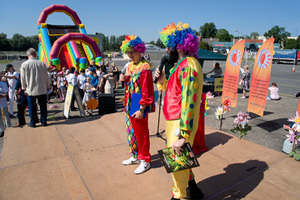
(80, 158)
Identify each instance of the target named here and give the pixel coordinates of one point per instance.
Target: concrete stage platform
(80, 158)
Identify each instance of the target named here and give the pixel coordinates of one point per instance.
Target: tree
(197, 33)
(105, 42)
(204, 45)
(119, 41)
(152, 42)
(159, 43)
(290, 44)
(254, 35)
(223, 35)
(278, 33)
(113, 43)
(208, 30)
(33, 41)
(298, 42)
(4, 42)
(19, 42)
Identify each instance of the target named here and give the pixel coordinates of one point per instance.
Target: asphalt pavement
(266, 130)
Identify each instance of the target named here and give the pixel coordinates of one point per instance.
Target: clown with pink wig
(138, 79)
(182, 100)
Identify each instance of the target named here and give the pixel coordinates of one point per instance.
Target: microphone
(160, 68)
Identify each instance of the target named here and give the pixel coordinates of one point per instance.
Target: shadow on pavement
(253, 115)
(273, 125)
(216, 138)
(156, 161)
(237, 182)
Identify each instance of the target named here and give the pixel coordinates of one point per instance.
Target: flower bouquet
(294, 136)
(221, 110)
(241, 124)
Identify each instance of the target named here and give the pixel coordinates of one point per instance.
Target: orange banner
(261, 78)
(232, 72)
(298, 109)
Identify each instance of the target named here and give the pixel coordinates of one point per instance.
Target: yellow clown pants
(181, 178)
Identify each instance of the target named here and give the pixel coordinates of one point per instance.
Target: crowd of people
(37, 83)
(104, 79)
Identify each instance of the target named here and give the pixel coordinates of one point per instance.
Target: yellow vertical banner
(261, 78)
(232, 72)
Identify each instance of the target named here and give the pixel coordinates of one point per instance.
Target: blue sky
(147, 18)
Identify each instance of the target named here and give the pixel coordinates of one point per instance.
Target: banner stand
(69, 97)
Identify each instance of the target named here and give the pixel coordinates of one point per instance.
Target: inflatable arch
(59, 43)
(58, 8)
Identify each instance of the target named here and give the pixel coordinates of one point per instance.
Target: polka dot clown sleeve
(189, 87)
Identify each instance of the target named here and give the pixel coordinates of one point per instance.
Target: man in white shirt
(12, 77)
(35, 82)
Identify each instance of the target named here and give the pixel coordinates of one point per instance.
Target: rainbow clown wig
(180, 36)
(133, 41)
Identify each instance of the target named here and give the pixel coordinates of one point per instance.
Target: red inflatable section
(199, 141)
(59, 43)
(58, 8)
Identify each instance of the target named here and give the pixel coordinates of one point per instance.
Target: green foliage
(204, 45)
(298, 42)
(5, 61)
(152, 42)
(290, 44)
(33, 41)
(254, 35)
(240, 130)
(197, 33)
(208, 30)
(223, 35)
(295, 155)
(4, 42)
(113, 43)
(278, 33)
(19, 42)
(159, 43)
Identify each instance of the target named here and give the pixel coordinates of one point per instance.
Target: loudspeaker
(106, 104)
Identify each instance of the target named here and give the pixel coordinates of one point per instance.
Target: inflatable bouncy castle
(65, 45)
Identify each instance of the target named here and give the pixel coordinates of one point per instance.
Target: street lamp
(238, 34)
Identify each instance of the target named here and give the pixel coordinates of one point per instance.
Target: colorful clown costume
(139, 80)
(181, 110)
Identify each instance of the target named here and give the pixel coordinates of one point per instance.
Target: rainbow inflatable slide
(65, 45)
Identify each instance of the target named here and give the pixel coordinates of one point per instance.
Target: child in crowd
(88, 94)
(3, 105)
(81, 79)
(274, 92)
(54, 82)
(49, 72)
(62, 82)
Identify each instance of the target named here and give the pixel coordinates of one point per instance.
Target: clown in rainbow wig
(138, 79)
(182, 99)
